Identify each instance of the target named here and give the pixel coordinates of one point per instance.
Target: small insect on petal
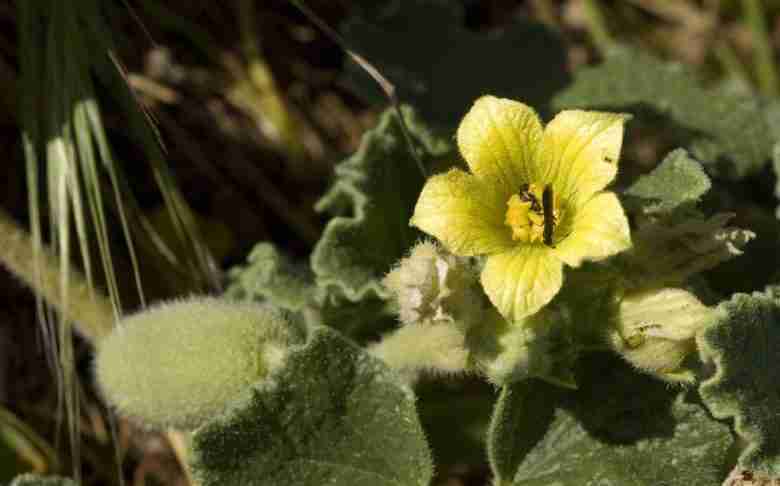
(549, 215)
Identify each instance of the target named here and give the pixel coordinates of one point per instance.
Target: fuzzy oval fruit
(180, 363)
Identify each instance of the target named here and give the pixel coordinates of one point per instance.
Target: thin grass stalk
(766, 66)
(596, 23)
(91, 313)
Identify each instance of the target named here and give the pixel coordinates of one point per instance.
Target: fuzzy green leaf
(723, 129)
(269, 274)
(618, 428)
(744, 347)
(334, 415)
(35, 480)
(372, 200)
(441, 67)
(677, 180)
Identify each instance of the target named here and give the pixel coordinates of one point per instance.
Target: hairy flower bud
(655, 331)
(436, 287)
(180, 363)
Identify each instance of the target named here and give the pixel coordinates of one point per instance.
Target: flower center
(532, 214)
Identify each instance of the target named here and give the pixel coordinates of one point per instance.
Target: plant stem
(766, 68)
(730, 62)
(597, 25)
(261, 96)
(90, 312)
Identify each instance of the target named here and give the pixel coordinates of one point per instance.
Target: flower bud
(655, 331)
(435, 287)
(180, 363)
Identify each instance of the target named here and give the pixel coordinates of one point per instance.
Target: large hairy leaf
(619, 428)
(333, 415)
(441, 67)
(372, 200)
(726, 130)
(744, 348)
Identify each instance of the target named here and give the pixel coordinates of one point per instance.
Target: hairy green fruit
(181, 363)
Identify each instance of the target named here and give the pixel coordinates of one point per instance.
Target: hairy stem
(90, 312)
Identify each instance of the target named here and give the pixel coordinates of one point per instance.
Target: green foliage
(179, 364)
(35, 480)
(618, 428)
(677, 180)
(269, 274)
(372, 200)
(441, 67)
(744, 348)
(725, 130)
(335, 415)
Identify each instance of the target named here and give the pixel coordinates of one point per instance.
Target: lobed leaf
(441, 67)
(334, 416)
(269, 274)
(744, 348)
(677, 180)
(372, 201)
(618, 428)
(716, 125)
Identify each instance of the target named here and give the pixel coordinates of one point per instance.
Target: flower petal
(579, 153)
(599, 229)
(464, 213)
(522, 281)
(499, 139)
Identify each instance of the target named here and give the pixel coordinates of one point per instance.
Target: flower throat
(532, 214)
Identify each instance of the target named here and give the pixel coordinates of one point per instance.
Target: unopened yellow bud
(655, 331)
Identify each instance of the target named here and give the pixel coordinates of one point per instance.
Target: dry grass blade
(65, 48)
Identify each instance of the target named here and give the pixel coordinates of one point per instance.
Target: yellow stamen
(525, 214)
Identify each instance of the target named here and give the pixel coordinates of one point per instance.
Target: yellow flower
(533, 201)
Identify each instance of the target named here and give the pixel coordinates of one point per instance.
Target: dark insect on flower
(549, 215)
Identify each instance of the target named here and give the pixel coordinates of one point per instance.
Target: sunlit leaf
(725, 130)
(333, 415)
